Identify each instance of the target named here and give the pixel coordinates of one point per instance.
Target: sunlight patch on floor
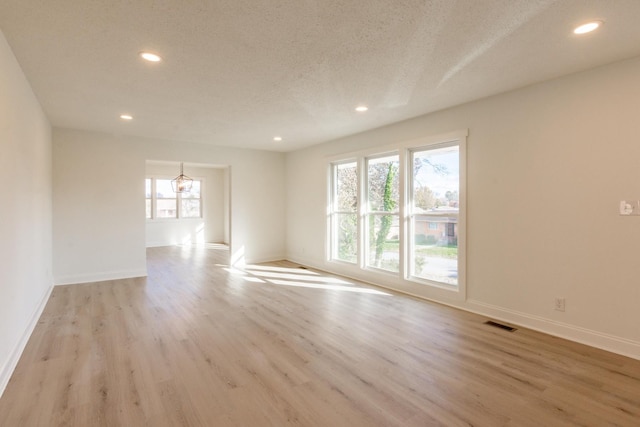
(298, 277)
(306, 278)
(295, 270)
(330, 287)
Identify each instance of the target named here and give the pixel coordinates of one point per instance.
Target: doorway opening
(199, 217)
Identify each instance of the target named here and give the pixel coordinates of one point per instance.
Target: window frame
(150, 198)
(181, 199)
(368, 213)
(410, 215)
(155, 197)
(179, 214)
(333, 212)
(402, 280)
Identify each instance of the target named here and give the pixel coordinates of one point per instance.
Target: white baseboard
(159, 244)
(99, 277)
(10, 365)
(260, 260)
(612, 343)
(307, 263)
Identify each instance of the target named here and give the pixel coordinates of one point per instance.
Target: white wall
(25, 217)
(98, 209)
(547, 167)
(209, 228)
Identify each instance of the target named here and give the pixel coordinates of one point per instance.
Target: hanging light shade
(181, 183)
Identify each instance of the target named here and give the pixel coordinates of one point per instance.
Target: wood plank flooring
(200, 344)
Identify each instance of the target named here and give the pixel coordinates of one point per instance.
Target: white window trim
(178, 199)
(461, 225)
(402, 280)
(331, 211)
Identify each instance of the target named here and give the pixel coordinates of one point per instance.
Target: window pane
(344, 226)
(148, 208)
(346, 191)
(436, 185)
(163, 188)
(195, 191)
(166, 208)
(384, 245)
(435, 251)
(190, 208)
(147, 185)
(436, 180)
(382, 181)
(345, 238)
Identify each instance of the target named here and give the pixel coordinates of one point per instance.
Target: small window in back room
(166, 200)
(190, 206)
(148, 198)
(163, 203)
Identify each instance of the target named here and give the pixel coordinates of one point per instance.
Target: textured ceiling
(238, 72)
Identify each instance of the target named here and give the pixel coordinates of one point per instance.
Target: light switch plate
(630, 207)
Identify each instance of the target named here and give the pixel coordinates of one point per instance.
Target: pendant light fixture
(181, 183)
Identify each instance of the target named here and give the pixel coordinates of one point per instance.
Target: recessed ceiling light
(361, 108)
(151, 57)
(588, 27)
(277, 138)
(126, 117)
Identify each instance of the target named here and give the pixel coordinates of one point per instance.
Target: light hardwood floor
(198, 344)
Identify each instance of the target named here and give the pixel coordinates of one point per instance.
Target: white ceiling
(238, 72)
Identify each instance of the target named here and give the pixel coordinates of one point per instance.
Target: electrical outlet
(559, 304)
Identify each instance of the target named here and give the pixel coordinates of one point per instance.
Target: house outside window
(434, 211)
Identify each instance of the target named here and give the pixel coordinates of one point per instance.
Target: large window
(434, 212)
(400, 212)
(163, 203)
(344, 212)
(383, 204)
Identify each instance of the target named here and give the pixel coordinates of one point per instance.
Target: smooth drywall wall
(99, 208)
(547, 167)
(207, 229)
(25, 217)
(98, 214)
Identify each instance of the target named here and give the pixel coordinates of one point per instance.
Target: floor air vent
(500, 325)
